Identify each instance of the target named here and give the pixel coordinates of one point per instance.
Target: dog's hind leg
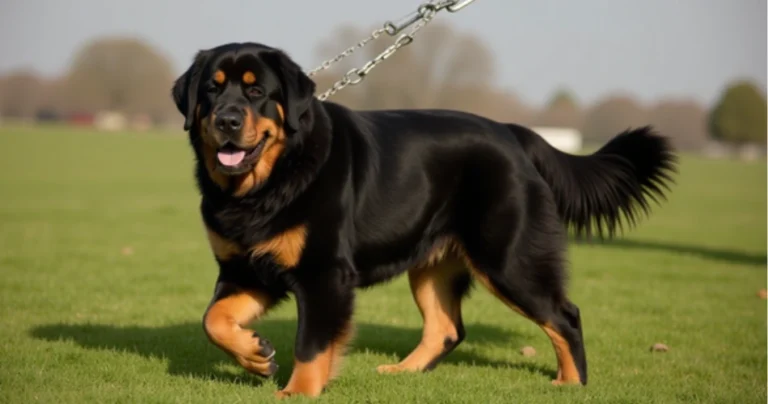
(562, 324)
(517, 251)
(437, 290)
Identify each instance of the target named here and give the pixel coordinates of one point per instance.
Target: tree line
(444, 68)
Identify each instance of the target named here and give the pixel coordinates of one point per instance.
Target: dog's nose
(229, 122)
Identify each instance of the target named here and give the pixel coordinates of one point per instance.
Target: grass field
(105, 273)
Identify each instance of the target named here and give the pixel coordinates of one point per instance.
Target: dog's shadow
(189, 353)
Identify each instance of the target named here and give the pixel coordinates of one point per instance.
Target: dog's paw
(558, 382)
(286, 393)
(281, 394)
(260, 359)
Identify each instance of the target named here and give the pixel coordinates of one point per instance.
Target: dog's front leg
(230, 310)
(325, 306)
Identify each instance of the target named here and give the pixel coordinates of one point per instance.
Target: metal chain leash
(421, 17)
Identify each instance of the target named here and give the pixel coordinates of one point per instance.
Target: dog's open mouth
(232, 157)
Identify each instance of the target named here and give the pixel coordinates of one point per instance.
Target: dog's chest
(236, 239)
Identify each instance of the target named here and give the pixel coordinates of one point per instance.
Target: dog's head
(242, 103)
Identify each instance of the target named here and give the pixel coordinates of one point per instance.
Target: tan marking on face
(219, 77)
(209, 159)
(253, 131)
(205, 128)
(209, 148)
(249, 78)
(222, 248)
(285, 248)
(224, 323)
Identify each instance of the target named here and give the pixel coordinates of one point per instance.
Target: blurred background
(579, 71)
(105, 269)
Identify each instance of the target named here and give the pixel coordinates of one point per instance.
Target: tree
(21, 94)
(685, 122)
(611, 116)
(120, 74)
(442, 68)
(740, 114)
(503, 106)
(561, 111)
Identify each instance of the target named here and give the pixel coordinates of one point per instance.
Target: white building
(568, 140)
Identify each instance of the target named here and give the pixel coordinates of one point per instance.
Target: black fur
(595, 192)
(378, 190)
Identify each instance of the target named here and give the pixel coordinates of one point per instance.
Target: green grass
(82, 322)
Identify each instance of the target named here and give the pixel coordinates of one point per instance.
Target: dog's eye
(254, 91)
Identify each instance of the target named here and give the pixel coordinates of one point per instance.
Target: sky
(650, 49)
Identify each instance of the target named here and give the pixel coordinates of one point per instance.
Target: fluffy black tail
(597, 192)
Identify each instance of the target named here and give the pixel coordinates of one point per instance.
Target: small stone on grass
(128, 250)
(659, 348)
(528, 351)
(763, 294)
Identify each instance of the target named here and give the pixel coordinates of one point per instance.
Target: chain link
(419, 18)
(326, 64)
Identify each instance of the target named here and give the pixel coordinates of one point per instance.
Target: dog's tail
(600, 191)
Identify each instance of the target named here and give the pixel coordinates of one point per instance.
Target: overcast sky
(649, 48)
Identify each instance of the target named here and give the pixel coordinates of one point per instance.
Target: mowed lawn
(105, 272)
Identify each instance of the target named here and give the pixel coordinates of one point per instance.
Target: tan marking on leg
(487, 283)
(340, 346)
(224, 321)
(431, 287)
(309, 378)
(567, 372)
(286, 247)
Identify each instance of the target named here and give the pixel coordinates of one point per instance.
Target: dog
(310, 198)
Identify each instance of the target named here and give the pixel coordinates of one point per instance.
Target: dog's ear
(298, 90)
(185, 88)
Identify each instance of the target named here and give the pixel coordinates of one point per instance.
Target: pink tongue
(231, 158)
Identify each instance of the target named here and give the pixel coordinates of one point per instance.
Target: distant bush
(740, 115)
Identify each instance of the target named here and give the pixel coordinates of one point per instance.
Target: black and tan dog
(311, 198)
